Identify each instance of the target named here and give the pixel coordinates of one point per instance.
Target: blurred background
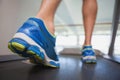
(68, 22)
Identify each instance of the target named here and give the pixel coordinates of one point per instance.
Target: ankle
(49, 24)
(87, 45)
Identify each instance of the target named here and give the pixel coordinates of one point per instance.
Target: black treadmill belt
(71, 69)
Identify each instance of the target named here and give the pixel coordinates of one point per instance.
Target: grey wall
(14, 12)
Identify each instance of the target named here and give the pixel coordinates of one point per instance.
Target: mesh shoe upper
(36, 30)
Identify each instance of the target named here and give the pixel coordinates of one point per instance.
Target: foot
(88, 55)
(34, 41)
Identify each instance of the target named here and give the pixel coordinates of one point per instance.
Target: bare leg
(47, 12)
(89, 10)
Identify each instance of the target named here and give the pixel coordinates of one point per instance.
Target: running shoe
(34, 41)
(88, 55)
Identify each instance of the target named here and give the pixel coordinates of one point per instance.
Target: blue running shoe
(88, 55)
(34, 41)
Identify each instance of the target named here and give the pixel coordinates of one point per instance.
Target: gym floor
(71, 69)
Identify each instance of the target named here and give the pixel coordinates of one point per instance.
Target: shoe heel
(10, 47)
(18, 46)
